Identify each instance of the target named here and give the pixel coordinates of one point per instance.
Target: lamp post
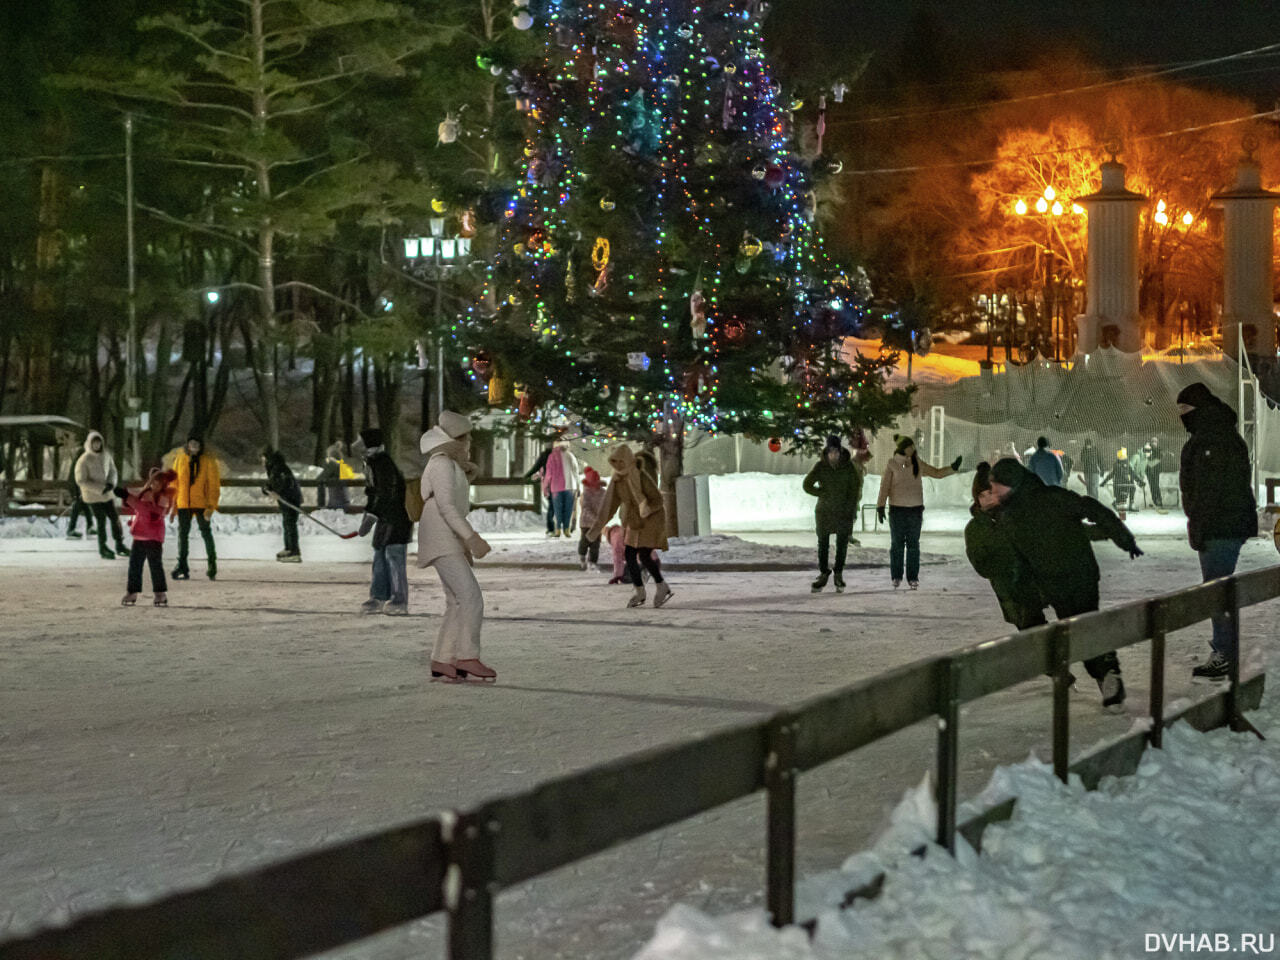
(1166, 220)
(1048, 207)
(433, 256)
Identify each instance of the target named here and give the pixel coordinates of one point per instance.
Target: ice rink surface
(146, 750)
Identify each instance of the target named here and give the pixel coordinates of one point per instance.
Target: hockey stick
(298, 510)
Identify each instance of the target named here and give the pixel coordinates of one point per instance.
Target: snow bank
(1187, 846)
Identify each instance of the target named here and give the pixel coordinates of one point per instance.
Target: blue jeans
(904, 536)
(1218, 559)
(562, 507)
(389, 579)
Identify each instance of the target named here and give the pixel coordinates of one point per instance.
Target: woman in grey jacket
(96, 477)
(447, 542)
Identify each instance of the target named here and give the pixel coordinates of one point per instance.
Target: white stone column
(1111, 289)
(1247, 214)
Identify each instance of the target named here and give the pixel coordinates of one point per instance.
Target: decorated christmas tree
(659, 270)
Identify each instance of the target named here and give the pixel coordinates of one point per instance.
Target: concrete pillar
(1247, 212)
(1111, 289)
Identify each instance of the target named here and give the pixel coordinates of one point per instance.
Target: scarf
(456, 450)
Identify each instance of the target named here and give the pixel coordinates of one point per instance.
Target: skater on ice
(96, 476)
(283, 486)
(644, 523)
(560, 486)
(448, 542)
(902, 489)
(149, 506)
(388, 517)
(1051, 528)
(991, 552)
(1044, 463)
(592, 500)
(196, 495)
(1216, 480)
(836, 480)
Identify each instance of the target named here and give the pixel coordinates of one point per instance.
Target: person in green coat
(836, 480)
(991, 552)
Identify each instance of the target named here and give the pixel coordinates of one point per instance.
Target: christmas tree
(659, 270)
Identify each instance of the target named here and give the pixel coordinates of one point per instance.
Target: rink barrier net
(458, 862)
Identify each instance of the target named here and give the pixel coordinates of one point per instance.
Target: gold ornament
(607, 205)
(439, 206)
(600, 253)
(750, 246)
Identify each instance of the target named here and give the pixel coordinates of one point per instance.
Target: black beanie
(371, 437)
(195, 435)
(903, 443)
(1196, 395)
(1008, 472)
(833, 442)
(1042, 442)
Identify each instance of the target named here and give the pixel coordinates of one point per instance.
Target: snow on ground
(1187, 847)
(146, 750)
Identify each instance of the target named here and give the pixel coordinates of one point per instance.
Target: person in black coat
(836, 480)
(990, 549)
(392, 529)
(282, 483)
(1051, 529)
(1216, 480)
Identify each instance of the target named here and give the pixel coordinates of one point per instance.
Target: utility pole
(131, 347)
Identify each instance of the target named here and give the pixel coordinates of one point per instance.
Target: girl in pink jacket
(149, 507)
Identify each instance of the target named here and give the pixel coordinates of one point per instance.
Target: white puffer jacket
(446, 499)
(94, 471)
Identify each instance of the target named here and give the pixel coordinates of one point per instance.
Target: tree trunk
(670, 466)
(365, 422)
(349, 399)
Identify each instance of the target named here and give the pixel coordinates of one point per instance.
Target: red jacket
(148, 517)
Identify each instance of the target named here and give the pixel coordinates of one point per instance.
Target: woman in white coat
(447, 542)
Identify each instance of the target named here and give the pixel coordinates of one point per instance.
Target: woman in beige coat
(902, 488)
(644, 521)
(447, 542)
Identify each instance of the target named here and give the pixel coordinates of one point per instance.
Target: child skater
(592, 499)
(149, 506)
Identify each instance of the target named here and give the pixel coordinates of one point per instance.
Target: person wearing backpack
(386, 515)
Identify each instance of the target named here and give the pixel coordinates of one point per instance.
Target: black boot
(212, 568)
(839, 581)
(821, 582)
(180, 572)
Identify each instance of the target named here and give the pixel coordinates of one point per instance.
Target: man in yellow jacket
(198, 489)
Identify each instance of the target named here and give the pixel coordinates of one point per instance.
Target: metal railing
(459, 861)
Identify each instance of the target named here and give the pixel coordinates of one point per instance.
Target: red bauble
(775, 444)
(526, 408)
(774, 176)
(482, 365)
(734, 330)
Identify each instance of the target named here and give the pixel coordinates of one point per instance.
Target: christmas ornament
(743, 264)
(750, 246)
(439, 206)
(838, 92)
(822, 121)
(607, 205)
(570, 281)
(482, 364)
(775, 444)
(774, 176)
(697, 315)
(499, 390)
(684, 31)
(468, 225)
(483, 62)
(447, 131)
(735, 330)
(522, 20)
(758, 171)
(637, 361)
(525, 409)
(600, 253)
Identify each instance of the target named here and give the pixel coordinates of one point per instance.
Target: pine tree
(660, 269)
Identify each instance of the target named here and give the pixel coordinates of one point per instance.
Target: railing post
(468, 884)
(780, 818)
(1233, 659)
(1156, 614)
(1060, 653)
(948, 707)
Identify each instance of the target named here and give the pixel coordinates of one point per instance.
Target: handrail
(458, 862)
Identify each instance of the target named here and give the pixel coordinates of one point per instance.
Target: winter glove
(955, 464)
(1132, 548)
(107, 488)
(120, 492)
(477, 546)
(208, 513)
(880, 514)
(367, 524)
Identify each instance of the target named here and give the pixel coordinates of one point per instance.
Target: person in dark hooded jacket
(392, 528)
(1051, 529)
(282, 482)
(1217, 496)
(990, 549)
(836, 480)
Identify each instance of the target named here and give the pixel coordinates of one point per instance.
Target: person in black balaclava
(1216, 480)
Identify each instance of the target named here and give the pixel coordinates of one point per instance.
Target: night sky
(999, 34)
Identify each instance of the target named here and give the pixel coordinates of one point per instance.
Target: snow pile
(1187, 846)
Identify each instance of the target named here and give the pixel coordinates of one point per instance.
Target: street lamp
(433, 256)
(1168, 219)
(1048, 206)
